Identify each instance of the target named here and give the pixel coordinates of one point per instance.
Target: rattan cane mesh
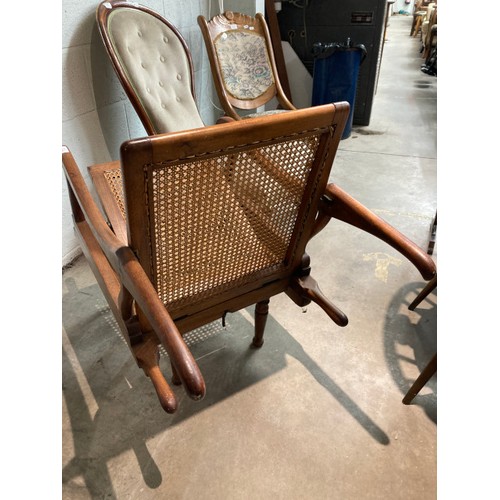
(220, 221)
(114, 179)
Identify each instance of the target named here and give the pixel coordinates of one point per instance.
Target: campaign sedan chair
(213, 220)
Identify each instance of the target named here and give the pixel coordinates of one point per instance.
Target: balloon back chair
(153, 64)
(242, 61)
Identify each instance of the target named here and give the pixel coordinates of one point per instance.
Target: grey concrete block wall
(96, 113)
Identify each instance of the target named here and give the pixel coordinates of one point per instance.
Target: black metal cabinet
(305, 22)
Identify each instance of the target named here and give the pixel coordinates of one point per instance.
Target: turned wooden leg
(432, 235)
(261, 311)
(423, 378)
(431, 285)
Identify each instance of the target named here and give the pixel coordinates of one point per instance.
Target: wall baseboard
(70, 258)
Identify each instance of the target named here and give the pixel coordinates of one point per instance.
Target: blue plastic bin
(335, 75)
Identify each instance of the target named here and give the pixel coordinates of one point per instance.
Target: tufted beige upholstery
(151, 57)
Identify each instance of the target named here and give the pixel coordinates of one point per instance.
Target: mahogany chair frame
(127, 269)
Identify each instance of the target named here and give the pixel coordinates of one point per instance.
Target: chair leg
(426, 291)
(417, 26)
(414, 21)
(422, 379)
(261, 312)
(432, 235)
(147, 355)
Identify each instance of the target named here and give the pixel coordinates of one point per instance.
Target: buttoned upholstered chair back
(153, 64)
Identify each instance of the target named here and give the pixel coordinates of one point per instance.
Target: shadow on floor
(410, 341)
(112, 406)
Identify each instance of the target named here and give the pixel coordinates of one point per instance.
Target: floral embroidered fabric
(244, 64)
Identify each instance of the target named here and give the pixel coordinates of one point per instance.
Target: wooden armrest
(141, 288)
(337, 204)
(133, 277)
(107, 181)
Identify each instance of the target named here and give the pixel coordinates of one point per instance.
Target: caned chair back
(216, 213)
(153, 63)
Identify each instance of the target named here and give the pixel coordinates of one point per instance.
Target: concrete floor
(317, 412)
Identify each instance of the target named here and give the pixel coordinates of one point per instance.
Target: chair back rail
(207, 217)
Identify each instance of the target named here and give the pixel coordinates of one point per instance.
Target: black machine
(303, 23)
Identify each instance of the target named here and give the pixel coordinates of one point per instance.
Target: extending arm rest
(140, 287)
(337, 204)
(133, 277)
